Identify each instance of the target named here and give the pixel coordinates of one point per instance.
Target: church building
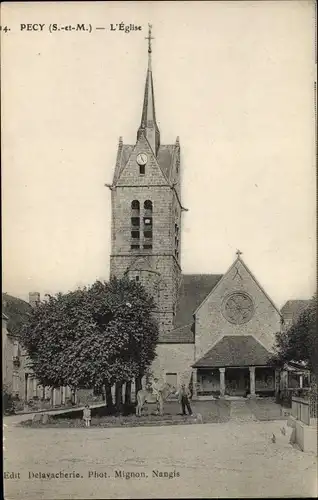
(216, 331)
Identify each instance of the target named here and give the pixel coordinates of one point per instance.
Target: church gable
(237, 305)
(145, 174)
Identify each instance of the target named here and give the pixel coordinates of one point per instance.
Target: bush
(284, 397)
(8, 403)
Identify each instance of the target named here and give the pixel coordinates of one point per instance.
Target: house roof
(235, 350)
(293, 309)
(296, 366)
(17, 312)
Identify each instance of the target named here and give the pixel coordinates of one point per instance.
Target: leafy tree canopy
(101, 334)
(299, 342)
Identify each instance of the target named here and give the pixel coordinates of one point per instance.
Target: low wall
(304, 422)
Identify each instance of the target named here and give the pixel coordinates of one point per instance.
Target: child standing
(87, 416)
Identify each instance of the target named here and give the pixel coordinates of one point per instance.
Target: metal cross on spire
(149, 38)
(238, 253)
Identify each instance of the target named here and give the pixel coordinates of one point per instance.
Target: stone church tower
(146, 211)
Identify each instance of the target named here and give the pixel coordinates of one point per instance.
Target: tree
(92, 337)
(299, 342)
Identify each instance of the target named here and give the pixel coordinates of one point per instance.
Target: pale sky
(234, 80)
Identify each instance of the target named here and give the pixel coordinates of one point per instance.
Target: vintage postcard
(159, 249)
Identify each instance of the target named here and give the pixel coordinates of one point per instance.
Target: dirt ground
(235, 458)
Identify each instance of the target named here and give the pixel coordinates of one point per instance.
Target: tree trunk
(138, 386)
(119, 396)
(128, 393)
(73, 396)
(108, 396)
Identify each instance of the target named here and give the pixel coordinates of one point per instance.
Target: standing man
(184, 395)
(155, 387)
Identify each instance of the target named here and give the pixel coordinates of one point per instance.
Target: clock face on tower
(142, 159)
(238, 308)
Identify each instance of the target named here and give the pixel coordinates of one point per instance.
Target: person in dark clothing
(184, 395)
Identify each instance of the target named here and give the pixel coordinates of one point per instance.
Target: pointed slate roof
(148, 125)
(192, 291)
(194, 288)
(165, 158)
(166, 155)
(235, 351)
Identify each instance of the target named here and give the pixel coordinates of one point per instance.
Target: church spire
(148, 125)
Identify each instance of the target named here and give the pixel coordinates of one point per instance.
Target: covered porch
(235, 381)
(237, 366)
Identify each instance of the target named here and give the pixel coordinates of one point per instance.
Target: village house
(17, 375)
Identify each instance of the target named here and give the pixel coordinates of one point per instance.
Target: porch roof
(235, 350)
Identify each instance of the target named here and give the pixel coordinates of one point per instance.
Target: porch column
(301, 381)
(195, 382)
(222, 382)
(252, 380)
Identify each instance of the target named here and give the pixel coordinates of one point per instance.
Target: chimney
(34, 298)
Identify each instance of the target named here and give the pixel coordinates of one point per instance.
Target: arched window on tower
(135, 225)
(147, 225)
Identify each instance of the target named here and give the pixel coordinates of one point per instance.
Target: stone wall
(174, 358)
(163, 217)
